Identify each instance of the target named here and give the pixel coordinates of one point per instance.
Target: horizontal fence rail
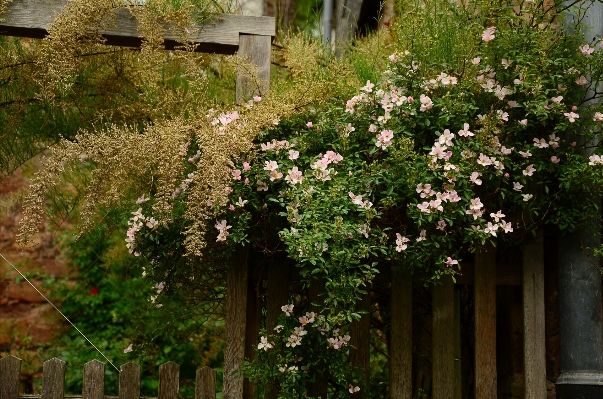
(53, 381)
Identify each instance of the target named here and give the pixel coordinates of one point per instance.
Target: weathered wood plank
(256, 50)
(347, 14)
(278, 295)
(129, 381)
(320, 387)
(32, 18)
(53, 379)
(485, 324)
(252, 329)
(533, 320)
(236, 307)
(400, 347)
(360, 339)
(169, 380)
(205, 386)
(10, 367)
(443, 345)
(458, 377)
(94, 380)
(506, 274)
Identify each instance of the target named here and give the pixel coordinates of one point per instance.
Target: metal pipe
(327, 18)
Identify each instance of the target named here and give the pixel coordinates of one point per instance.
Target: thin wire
(57, 309)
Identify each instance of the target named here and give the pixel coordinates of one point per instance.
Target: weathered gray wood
(53, 379)
(129, 381)
(485, 324)
(360, 339)
(347, 14)
(256, 50)
(320, 387)
(400, 347)
(236, 306)
(94, 380)
(32, 18)
(533, 320)
(10, 367)
(443, 345)
(205, 386)
(169, 380)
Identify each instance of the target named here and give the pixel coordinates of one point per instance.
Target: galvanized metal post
(581, 332)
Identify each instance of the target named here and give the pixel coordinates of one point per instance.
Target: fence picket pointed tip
(9, 359)
(10, 368)
(169, 363)
(92, 362)
(205, 383)
(55, 360)
(129, 366)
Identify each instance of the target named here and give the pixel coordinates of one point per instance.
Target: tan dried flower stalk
(124, 157)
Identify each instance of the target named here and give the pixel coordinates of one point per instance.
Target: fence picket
(94, 380)
(485, 324)
(53, 379)
(400, 358)
(533, 311)
(443, 345)
(169, 380)
(129, 381)
(205, 386)
(236, 307)
(10, 367)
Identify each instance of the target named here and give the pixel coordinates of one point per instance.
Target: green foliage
(116, 307)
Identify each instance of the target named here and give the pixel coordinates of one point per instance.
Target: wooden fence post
(53, 379)
(10, 368)
(257, 50)
(236, 308)
(318, 389)
(485, 324)
(443, 342)
(129, 381)
(360, 341)
(252, 329)
(400, 347)
(205, 384)
(169, 380)
(533, 320)
(94, 380)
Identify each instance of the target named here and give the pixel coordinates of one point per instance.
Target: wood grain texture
(169, 380)
(347, 14)
(236, 308)
(400, 347)
(319, 388)
(256, 50)
(129, 381)
(252, 329)
(53, 379)
(205, 386)
(10, 368)
(278, 295)
(533, 320)
(458, 377)
(94, 380)
(32, 18)
(360, 339)
(485, 324)
(507, 274)
(443, 344)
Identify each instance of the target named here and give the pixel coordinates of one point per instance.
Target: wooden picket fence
(53, 381)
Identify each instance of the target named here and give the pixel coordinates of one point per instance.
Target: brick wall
(26, 320)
